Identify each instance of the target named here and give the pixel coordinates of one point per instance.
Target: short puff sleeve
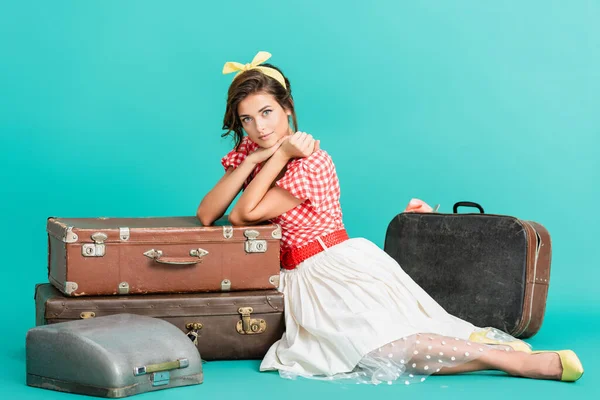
(312, 178)
(235, 157)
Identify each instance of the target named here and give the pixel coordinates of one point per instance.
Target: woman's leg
(516, 363)
(426, 354)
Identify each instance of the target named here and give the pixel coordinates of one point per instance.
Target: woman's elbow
(235, 218)
(205, 219)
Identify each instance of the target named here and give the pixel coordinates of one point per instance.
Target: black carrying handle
(466, 204)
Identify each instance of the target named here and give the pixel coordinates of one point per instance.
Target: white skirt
(351, 312)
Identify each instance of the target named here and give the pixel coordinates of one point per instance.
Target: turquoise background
(115, 108)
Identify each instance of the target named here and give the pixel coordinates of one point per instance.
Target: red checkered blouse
(313, 179)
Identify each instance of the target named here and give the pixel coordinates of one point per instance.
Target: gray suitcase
(113, 356)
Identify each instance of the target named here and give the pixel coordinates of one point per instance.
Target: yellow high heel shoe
(489, 335)
(571, 365)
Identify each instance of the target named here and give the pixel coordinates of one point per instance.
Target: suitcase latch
(252, 245)
(124, 233)
(161, 378)
(95, 249)
(249, 326)
(193, 328)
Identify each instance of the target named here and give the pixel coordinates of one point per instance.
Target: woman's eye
(245, 120)
(266, 112)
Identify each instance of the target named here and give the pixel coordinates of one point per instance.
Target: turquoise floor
(577, 330)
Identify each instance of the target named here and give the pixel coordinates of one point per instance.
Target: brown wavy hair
(251, 82)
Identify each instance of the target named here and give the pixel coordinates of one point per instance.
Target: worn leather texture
(217, 339)
(124, 266)
(490, 270)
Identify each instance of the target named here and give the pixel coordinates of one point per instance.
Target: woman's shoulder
(318, 161)
(236, 156)
(246, 145)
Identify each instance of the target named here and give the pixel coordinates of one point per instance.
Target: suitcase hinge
(249, 326)
(87, 314)
(227, 232)
(252, 245)
(97, 248)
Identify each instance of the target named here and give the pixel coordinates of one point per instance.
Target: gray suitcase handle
(166, 366)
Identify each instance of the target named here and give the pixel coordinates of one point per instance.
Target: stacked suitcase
(217, 284)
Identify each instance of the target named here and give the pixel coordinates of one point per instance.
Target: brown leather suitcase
(490, 270)
(112, 256)
(224, 326)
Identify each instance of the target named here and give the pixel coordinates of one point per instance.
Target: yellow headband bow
(259, 58)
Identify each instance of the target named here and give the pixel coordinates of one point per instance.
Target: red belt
(290, 258)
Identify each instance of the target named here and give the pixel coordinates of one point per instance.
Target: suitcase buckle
(161, 378)
(249, 326)
(96, 249)
(252, 245)
(193, 328)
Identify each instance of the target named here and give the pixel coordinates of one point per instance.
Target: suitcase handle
(466, 204)
(195, 257)
(166, 366)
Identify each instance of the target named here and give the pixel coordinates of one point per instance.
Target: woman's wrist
(282, 155)
(248, 161)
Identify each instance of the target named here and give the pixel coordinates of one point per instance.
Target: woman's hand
(299, 145)
(261, 155)
(418, 206)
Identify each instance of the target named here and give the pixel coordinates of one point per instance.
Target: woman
(351, 311)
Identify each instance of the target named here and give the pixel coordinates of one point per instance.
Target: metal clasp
(199, 252)
(123, 288)
(193, 328)
(124, 233)
(252, 245)
(96, 249)
(161, 378)
(225, 285)
(249, 326)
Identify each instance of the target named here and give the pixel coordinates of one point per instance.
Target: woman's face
(263, 119)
